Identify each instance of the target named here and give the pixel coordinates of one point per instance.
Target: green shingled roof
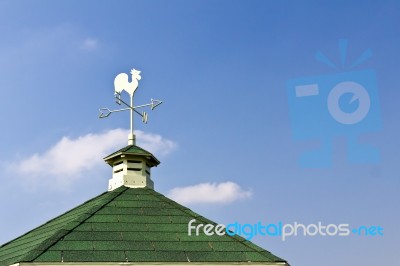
(133, 150)
(129, 225)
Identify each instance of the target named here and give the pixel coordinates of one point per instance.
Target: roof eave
(150, 157)
(148, 263)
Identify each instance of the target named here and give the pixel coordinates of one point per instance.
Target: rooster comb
(134, 71)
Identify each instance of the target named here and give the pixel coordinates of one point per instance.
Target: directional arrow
(104, 112)
(155, 103)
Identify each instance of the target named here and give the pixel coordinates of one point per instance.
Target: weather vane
(121, 83)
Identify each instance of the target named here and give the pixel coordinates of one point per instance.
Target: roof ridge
(65, 230)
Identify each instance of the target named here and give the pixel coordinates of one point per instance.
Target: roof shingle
(128, 225)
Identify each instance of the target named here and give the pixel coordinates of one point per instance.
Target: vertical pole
(131, 114)
(131, 137)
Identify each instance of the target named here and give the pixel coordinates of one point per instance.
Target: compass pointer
(155, 103)
(104, 112)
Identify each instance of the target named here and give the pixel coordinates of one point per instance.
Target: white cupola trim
(131, 167)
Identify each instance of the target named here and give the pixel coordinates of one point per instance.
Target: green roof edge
(99, 202)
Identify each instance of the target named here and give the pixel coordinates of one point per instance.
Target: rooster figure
(121, 83)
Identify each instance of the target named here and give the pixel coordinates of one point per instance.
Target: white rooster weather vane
(121, 83)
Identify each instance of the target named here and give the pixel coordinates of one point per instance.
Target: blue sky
(221, 69)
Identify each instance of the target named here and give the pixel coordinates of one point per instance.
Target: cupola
(131, 167)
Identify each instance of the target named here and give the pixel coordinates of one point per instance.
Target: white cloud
(69, 158)
(209, 193)
(89, 44)
(154, 143)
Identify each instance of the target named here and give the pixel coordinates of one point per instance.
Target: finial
(121, 83)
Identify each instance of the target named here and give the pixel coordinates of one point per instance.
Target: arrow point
(103, 113)
(155, 103)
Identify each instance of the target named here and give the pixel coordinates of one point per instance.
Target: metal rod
(119, 110)
(134, 107)
(131, 108)
(131, 114)
(143, 105)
